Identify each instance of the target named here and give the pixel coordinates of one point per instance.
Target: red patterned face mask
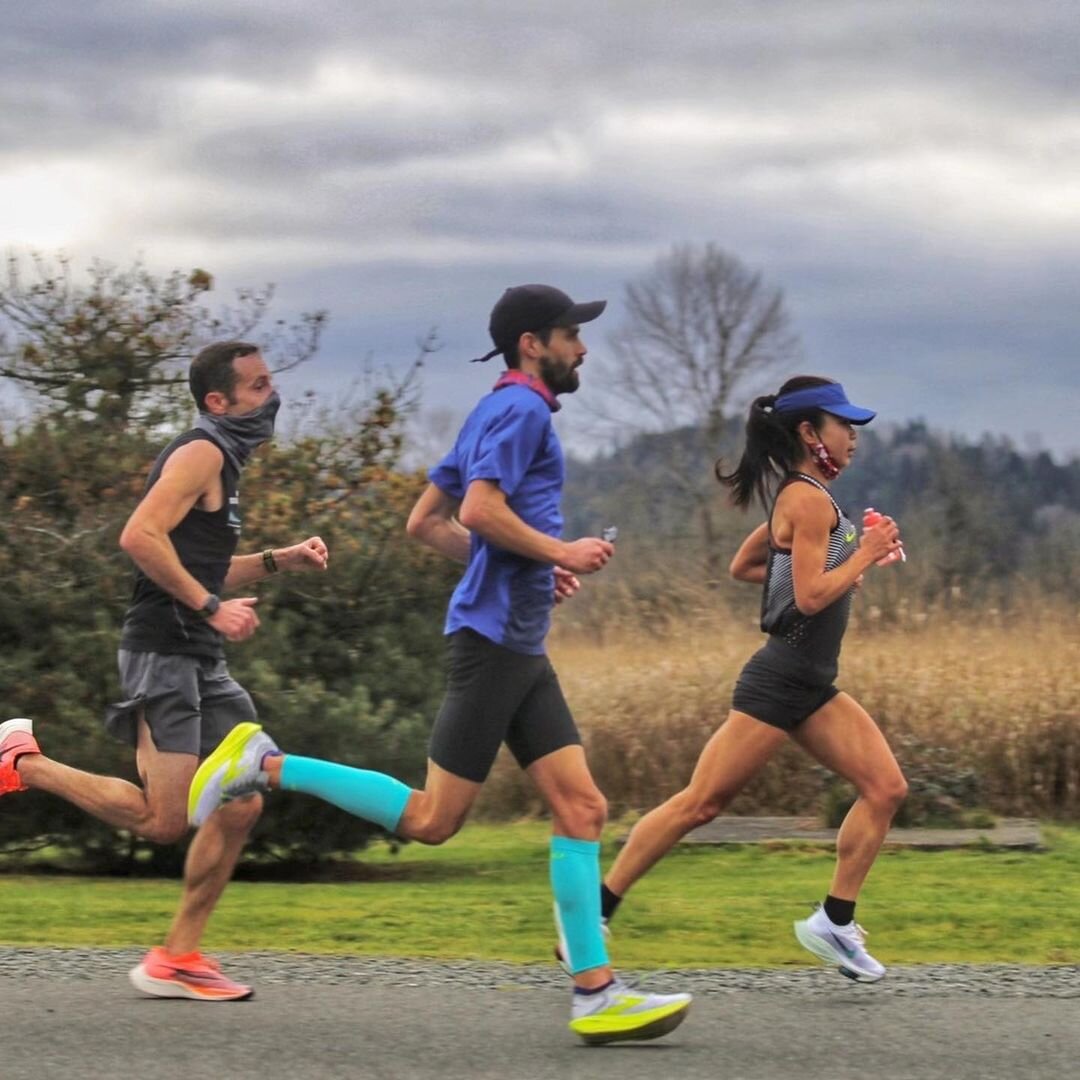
(824, 461)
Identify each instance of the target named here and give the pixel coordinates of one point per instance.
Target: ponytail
(773, 448)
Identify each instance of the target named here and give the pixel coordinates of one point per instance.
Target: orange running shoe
(16, 739)
(191, 976)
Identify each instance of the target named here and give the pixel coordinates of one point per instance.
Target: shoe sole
(145, 983)
(823, 951)
(197, 811)
(654, 1029)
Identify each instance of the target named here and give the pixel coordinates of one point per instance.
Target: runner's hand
(312, 554)
(587, 555)
(881, 539)
(236, 620)
(566, 584)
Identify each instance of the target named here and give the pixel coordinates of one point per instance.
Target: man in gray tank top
(180, 700)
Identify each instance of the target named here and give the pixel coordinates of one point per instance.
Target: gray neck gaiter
(239, 435)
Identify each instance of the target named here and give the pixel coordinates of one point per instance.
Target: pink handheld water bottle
(869, 519)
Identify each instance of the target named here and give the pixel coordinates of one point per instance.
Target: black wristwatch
(210, 607)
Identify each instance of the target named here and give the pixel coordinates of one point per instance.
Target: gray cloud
(905, 171)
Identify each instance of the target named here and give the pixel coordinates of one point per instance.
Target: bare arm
(432, 522)
(484, 510)
(191, 473)
(808, 515)
(244, 569)
(311, 554)
(752, 557)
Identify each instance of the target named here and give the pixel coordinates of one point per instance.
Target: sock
(575, 881)
(609, 903)
(582, 992)
(370, 795)
(839, 912)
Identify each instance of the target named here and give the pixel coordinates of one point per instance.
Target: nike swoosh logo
(850, 536)
(848, 952)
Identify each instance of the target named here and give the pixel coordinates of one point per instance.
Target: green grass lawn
(485, 896)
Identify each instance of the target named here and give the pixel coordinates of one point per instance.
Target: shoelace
(606, 997)
(629, 986)
(856, 931)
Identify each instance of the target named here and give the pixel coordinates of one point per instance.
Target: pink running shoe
(16, 739)
(192, 976)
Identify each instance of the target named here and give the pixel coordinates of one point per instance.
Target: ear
(216, 403)
(530, 346)
(808, 433)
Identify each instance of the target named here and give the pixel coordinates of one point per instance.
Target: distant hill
(972, 513)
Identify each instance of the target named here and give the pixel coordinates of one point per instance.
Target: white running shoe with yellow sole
(620, 1013)
(232, 770)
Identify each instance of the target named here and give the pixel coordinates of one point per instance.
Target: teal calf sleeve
(575, 881)
(370, 795)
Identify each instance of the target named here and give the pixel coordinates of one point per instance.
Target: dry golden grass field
(981, 709)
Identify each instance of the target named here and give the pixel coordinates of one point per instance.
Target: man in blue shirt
(494, 504)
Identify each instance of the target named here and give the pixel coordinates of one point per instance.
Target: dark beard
(558, 380)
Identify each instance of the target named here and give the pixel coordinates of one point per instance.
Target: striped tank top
(816, 639)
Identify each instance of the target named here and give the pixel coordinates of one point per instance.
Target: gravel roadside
(268, 968)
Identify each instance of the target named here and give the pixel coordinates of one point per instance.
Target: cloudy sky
(907, 172)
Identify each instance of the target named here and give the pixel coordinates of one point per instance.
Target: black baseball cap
(525, 308)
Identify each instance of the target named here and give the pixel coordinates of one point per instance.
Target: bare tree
(700, 329)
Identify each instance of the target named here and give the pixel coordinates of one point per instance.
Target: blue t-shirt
(508, 439)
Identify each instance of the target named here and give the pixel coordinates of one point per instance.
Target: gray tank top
(816, 639)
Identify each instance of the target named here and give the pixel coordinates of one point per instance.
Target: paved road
(71, 1015)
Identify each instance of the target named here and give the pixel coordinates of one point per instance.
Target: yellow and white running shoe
(232, 770)
(620, 1012)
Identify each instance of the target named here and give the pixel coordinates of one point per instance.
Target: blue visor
(829, 398)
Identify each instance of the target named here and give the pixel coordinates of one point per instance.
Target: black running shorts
(496, 695)
(776, 688)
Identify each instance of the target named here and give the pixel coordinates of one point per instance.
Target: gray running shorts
(495, 695)
(190, 702)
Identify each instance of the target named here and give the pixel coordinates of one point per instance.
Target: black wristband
(210, 607)
(269, 562)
